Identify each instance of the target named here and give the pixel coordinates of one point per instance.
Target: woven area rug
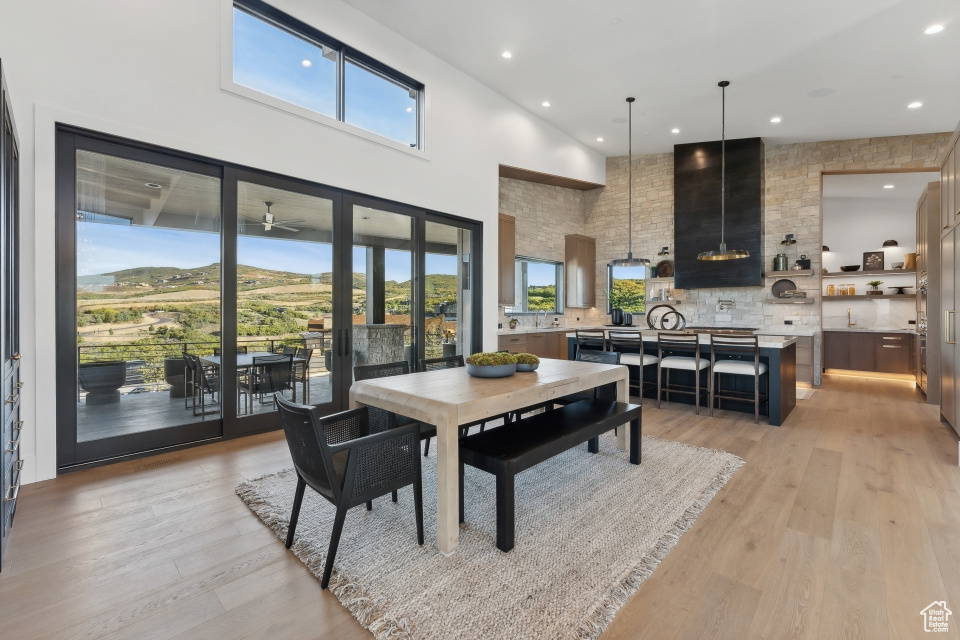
(589, 530)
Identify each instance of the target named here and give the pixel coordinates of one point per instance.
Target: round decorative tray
(486, 371)
(527, 367)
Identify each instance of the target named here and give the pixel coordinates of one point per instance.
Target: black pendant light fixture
(630, 261)
(723, 253)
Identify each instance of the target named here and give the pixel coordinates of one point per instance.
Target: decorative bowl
(494, 371)
(527, 367)
(897, 265)
(852, 267)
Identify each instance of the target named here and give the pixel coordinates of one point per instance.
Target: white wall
(150, 70)
(852, 226)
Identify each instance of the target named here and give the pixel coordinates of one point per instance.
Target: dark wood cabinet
(506, 259)
(868, 351)
(549, 344)
(862, 351)
(580, 271)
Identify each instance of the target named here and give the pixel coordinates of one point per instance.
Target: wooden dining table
(448, 398)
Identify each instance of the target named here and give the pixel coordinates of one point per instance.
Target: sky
(105, 248)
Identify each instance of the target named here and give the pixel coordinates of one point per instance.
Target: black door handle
(339, 342)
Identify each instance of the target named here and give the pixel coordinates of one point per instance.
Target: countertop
(859, 330)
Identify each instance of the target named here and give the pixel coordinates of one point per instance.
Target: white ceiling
(906, 186)
(870, 56)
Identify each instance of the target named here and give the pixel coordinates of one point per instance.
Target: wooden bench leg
(505, 506)
(593, 445)
(635, 452)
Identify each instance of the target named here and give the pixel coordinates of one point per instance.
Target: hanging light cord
(630, 178)
(723, 159)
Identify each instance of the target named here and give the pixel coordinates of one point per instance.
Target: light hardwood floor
(844, 523)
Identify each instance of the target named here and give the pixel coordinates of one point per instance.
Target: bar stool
(742, 345)
(594, 339)
(630, 346)
(680, 342)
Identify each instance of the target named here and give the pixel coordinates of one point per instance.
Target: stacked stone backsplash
(791, 205)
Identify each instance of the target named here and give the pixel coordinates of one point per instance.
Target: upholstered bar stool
(630, 346)
(748, 364)
(673, 343)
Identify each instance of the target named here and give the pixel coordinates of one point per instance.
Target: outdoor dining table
(245, 361)
(448, 398)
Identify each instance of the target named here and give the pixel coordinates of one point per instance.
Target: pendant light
(629, 261)
(723, 253)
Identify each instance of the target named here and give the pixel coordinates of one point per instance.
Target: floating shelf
(667, 279)
(791, 300)
(884, 272)
(896, 296)
(784, 274)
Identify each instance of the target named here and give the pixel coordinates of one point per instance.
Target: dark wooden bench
(513, 448)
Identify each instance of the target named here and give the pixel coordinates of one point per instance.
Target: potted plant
(513, 323)
(874, 291)
(491, 365)
(527, 362)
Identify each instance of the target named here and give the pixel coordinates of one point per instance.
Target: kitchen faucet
(544, 312)
(850, 321)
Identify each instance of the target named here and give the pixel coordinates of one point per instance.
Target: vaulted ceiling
(830, 69)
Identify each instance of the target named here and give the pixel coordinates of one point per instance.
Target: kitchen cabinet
(891, 352)
(580, 271)
(549, 344)
(928, 291)
(804, 357)
(506, 259)
(948, 333)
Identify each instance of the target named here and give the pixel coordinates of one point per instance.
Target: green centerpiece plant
(491, 359)
(874, 291)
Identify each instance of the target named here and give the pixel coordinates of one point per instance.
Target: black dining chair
(348, 464)
(269, 375)
(373, 371)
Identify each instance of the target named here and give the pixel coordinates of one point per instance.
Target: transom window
(280, 56)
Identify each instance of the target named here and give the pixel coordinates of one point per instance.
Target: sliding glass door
(140, 267)
(191, 291)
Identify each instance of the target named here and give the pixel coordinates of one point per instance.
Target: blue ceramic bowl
(486, 371)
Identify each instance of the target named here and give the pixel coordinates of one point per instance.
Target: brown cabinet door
(580, 271)
(836, 350)
(537, 344)
(948, 188)
(506, 253)
(513, 344)
(893, 353)
(862, 351)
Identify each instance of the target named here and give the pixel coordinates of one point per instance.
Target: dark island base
(782, 372)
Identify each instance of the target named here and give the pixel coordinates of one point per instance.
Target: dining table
(245, 363)
(448, 398)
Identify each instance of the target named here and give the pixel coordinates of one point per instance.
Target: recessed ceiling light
(546, 104)
(615, 21)
(507, 55)
(599, 139)
(775, 119)
(409, 109)
(307, 64)
(152, 185)
(914, 105)
(932, 29)
(674, 130)
(888, 186)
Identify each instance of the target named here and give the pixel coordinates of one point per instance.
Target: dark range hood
(696, 188)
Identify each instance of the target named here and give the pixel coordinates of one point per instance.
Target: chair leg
(334, 543)
(756, 399)
(295, 514)
(659, 385)
(394, 496)
(418, 507)
(696, 391)
(711, 391)
(369, 505)
(426, 448)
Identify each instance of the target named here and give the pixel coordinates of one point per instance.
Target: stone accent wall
(791, 205)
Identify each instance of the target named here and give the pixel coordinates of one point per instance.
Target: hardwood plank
(173, 621)
(854, 605)
(790, 601)
(813, 511)
(723, 609)
(656, 611)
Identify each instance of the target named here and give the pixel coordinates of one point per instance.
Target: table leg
(448, 483)
(623, 395)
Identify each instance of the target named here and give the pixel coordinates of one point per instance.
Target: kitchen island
(779, 353)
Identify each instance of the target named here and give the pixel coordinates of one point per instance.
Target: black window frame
(268, 13)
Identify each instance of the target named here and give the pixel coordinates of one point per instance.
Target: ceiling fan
(269, 221)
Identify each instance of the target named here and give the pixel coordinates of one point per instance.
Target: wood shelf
(784, 274)
(895, 296)
(884, 272)
(790, 300)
